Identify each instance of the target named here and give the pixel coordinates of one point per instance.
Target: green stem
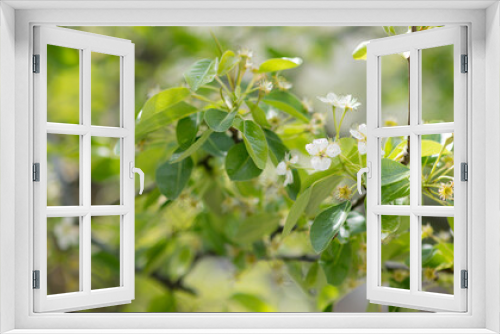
(223, 85)
(203, 98)
(340, 123)
(335, 122)
(435, 163)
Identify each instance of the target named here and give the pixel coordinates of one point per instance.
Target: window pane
(395, 171)
(437, 84)
(437, 169)
(105, 89)
(395, 93)
(63, 169)
(63, 84)
(63, 256)
(395, 255)
(437, 254)
(105, 171)
(105, 252)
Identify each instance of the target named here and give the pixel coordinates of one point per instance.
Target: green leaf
(252, 303)
(255, 142)
(359, 52)
(239, 164)
(390, 224)
(327, 224)
(321, 190)
(171, 178)
(430, 147)
(393, 171)
(255, 227)
(181, 155)
(163, 118)
(164, 100)
(200, 73)
(218, 144)
(186, 131)
(219, 120)
(259, 115)
(296, 211)
(287, 102)
(227, 62)
(395, 190)
(279, 64)
(276, 146)
(336, 262)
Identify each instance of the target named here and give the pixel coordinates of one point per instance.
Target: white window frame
(16, 217)
(85, 43)
(414, 43)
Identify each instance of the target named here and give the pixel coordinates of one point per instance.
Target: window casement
(406, 201)
(85, 132)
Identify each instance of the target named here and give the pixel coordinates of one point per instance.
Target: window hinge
(465, 279)
(36, 279)
(464, 171)
(36, 63)
(36, 172)
(465, 64)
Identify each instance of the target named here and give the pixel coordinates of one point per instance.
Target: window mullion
(414, 147)
(85, 265)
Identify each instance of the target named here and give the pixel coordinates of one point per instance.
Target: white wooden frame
(481, 17)
(414, 43)
(86, 43)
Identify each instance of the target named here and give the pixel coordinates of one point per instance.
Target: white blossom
(339, 101)
(321, 151)
(266, 86)
(350, 102)
(284, 168)
(360, 135)
(333, 99)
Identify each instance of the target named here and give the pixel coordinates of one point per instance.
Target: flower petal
(356, 134)
(281, 168)
(312, 149)
(325, 163)
(362, 147)
(333, 150)
(362, 129)
(321, 143)
(294, 159)
(288, 178)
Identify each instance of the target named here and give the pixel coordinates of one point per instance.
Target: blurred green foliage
(229, 220)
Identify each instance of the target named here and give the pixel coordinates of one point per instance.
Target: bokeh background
(175, 269)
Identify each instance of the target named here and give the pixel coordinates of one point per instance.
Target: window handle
(141, 176)
(366, 170)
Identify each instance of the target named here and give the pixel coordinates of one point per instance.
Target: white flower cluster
(322, 151)
(341, 101)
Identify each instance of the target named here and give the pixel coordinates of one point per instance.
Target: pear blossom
(273, 117)
(321, 151)
(284, 168)
(446, 191)
(67, 234)
(343, 193)
(266, 86)
(245, 53)
(360, 135)
(282, 83)
(333, 99)
(351, 103)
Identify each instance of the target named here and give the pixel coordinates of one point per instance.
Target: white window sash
(86, 297)
(414, 297)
